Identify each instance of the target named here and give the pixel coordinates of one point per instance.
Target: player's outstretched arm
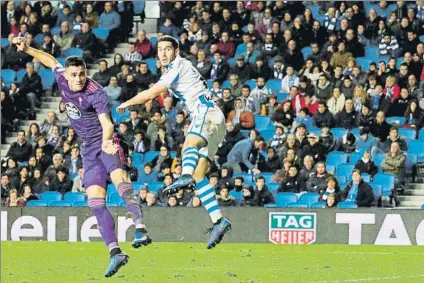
(45, 58)
(143, 97)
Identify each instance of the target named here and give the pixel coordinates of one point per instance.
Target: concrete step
(50, 99)
(29, 122)
(10, 140)
(91, 72)
(415, 192)
(5, 146)
(3, 153)
(50, 105)
(121, 50)
(409, 203)
(412, 198)
(416, 186)
(43, 112)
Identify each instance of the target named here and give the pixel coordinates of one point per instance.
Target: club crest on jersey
(72, 111)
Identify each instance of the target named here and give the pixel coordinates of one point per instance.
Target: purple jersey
(84, 107)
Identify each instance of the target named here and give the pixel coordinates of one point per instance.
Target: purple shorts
(98, 165)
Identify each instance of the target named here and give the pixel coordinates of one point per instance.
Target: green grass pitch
(62, 262)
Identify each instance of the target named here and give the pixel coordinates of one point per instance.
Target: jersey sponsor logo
(293, 228)
(72, 111)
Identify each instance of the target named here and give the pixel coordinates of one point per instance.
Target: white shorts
(208, 123)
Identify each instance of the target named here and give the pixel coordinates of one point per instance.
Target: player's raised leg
(125, 188)
(206, 193)
(97, 203)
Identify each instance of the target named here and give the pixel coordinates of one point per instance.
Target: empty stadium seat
(338, 132)
(111, 189)
(377, 190)
(36, 203)
(372, 52)
(417, 147)
(20, 75)
(271, 63)
(309, 198)
(138, 7)
(410, 162)
(421, 135)
(366, 177)
(47, 78)
(151, 64)
(38, 39)
(55, 30)
(330, 168)
(282, 199)
(306, 51)
(347, 204)
(80, 204)
(226, 84)
(282, 96)
(245, 133)
(8, 76)
(273, 187)
(395, 120)
(118, 117)
(246, 176)
(51, 196)
(364, 62)
(268, 177)
(399, 62)
(155, 186)
(296, 205)
(267, 134)
(422, 38)
(314, 9)
(101, 33)
(153, 40)
(150, 155)
(60, 203)
(112, 204)
(316, 131)
(387, 181)
(4, 42)
(378, 159)
(114, 198)
(137, 159)
(236, 195)
(320, 204)
(61, 60)
(422, 206)
(261, 122)
(73, 51)
(251, 84)
(336, 158)
(274, 85)
(407, 133)
(232, 62)
(345, 169)
(355, 156)
(74, 196)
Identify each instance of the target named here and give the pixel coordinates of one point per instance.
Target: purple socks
(105, 222)
(126, 191)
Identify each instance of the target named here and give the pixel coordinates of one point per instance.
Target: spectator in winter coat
(365, 141)
(341, 57)
(168, 28)
(77, 182)
(399, 106)
(392, 90)
(337, 101)
(332, 188)
(317, 182)
(347, 118)
(358, 191)
(241, 69)
(65, 37)
(292, 183)
(327, 139)
(110, 20)
(323, 116)
(239, 154)
(314, 148)
(143, 45)
(20, 150)
(226, 46)
(220, 68)
(248, 196)
(289, 80)
(273, 162)
(259, 69)
(323, 90)
(202, 65)
(380, 128)
(262, 194)
(65, 16)
(347, 143)
(103, 75)
(414, 115)
(224, 199)
(87, 41)
(261, 92)
(241, 116)
(365, 118)
(293, 57)
(147, 176)
(232, 137)
(366, 165)
(394, 162)
(389, 46)
(61, 182)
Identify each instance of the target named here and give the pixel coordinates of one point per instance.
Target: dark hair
(172, 40)
(148, 164)
(61, 169)
(260, 178)
(75, 61)
(259, 139)
(246, 86)
(131, 43)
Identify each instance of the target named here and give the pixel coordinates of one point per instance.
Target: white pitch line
(372, 279)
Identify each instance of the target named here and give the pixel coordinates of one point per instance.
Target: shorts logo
(293, 228)
(72, 111)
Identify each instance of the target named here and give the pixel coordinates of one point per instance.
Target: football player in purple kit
(87, 107)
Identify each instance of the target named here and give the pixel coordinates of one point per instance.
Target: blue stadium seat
(355, 156)
(232, 62)
(73, 197)
(118, 117)
(366, 177)
(387, 181)
(296, 205)
(271, 205)
(417, 147)
(385, 59)
(395, 120)
(244, 28)
(101, 33)
(268, 177)
(355, 132)
(274, 85)
(4, 42)
(364, 62)
(345, 169)
(378, 159)
(251, 83)
(245, 133)
(150, 155)
(36, 203)
(330, 168)
(372, 52)
(61, 60)
(282, 96)
(241, 48)
(347, 204)
(226, 84)
(55, 31)
(153, 40)
(282, 199)
(139, 7)
(306, 51)
(80, 204)
(320, 204)
(209, 83)
(155, 186)
(314, 9)
(316, 131)
(377, 190)
(399, 61)
(20, 75)
(8, 76)
(422, 38)
(336, 158)
(47, 78)
(309, 198)
(421, 135)
(411, 161)
(267, 134)
(151, 64)
(273, 187)
(137, 186)
(341, 178)
(114, 198)
(338, 132)
(111, 189)
(236, 195)
(248, 178)
(271, 63)
(38, 39)
(51, 196)
(73, 51)
(173, 154)
(60, 203)
(139, 157)
(262, 122)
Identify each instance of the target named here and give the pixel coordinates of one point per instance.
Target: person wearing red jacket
(226, 46)
(297, 99)
(422, 76)
(391, 90)
(143, 44)
(311, 103)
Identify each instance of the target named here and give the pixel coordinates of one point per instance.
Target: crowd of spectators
(231, 44)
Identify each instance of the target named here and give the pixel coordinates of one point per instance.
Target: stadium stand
(391, 84)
